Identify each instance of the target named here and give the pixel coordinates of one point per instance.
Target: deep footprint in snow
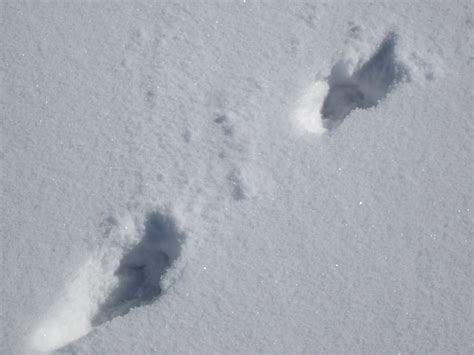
(326, 103)
(142, 268)
(126, 272)
(365, 87)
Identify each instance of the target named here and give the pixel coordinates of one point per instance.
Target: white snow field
(236, 177)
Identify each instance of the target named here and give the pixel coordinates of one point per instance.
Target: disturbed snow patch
(326, 104)
(126, 272)
(308, 114)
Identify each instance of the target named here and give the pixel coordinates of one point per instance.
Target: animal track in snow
(227, 128)
(233, 153)
(126, 272)
(327, 103)
(239, 189)
(142, 268)
(365, 87)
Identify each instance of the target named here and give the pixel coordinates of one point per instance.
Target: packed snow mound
(308, 114)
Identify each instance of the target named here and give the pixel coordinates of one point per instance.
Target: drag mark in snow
(127, 271)
(325, 104)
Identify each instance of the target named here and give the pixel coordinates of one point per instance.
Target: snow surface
(239, 176)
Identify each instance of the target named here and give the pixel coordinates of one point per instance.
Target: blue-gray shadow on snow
(366, 86)
(142, 268)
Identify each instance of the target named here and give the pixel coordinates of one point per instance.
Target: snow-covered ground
(236, 176)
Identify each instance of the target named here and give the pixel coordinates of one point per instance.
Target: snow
(236, 177)
(308, 113)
